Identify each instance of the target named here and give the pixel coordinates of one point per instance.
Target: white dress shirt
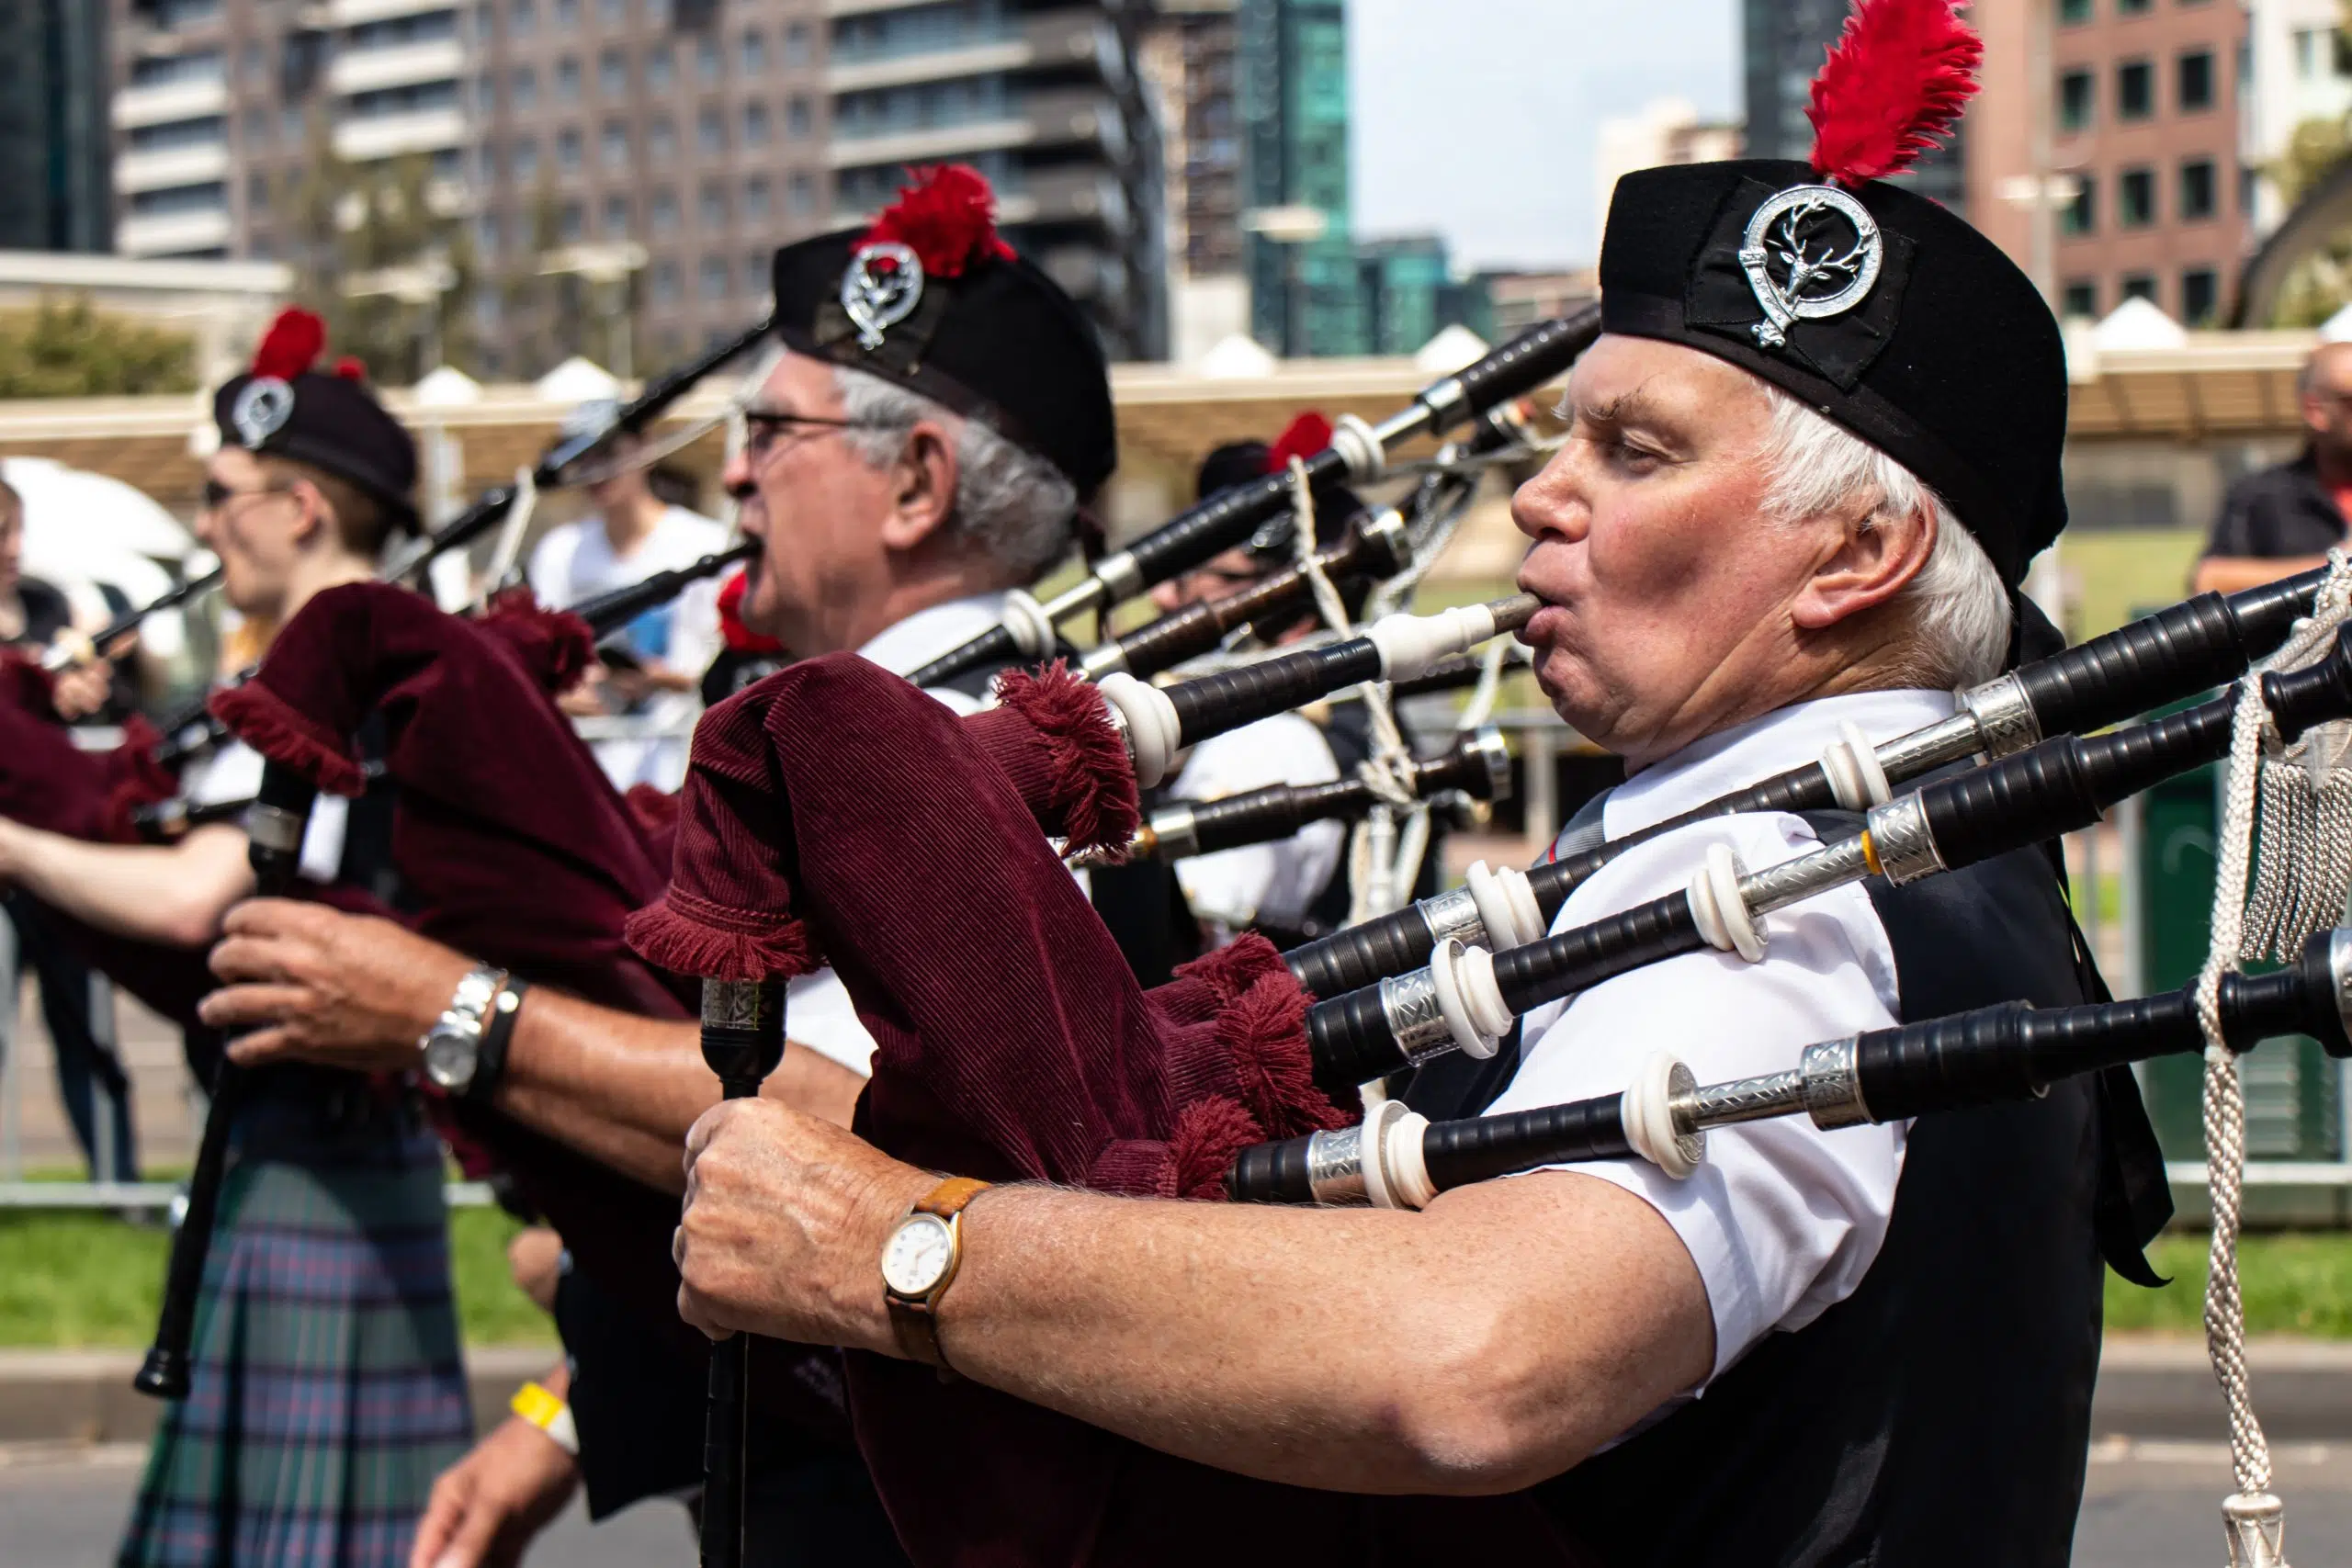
(1783, 1218)
(234, 772)
(818, 1013)
(1278, 882)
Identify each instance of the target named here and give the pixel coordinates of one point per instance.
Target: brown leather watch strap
(914, 1320)
(948, 1199)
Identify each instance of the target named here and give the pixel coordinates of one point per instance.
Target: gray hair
(1959, 607)
(1010, 505)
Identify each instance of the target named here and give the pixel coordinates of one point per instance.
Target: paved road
(2151, 1504)
(60, 1509)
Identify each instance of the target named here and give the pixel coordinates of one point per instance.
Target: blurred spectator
(2285, 519)
(77, 1011)
(654, 665)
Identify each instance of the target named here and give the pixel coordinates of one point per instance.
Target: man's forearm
(624, 1089)
(2236, 574)
(174, 895)
(1492, 1340)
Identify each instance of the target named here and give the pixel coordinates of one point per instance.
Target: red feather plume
(1893, 86)
(1302, 437)
(351, 368)
(947, 217)
(740, 638)
(292, 345)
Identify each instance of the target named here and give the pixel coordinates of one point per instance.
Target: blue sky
(1476, 118)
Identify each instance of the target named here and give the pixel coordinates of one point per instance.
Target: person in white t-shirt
(633, 535)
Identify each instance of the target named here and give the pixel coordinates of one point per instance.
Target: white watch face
(916, 1255)
(451, 1056)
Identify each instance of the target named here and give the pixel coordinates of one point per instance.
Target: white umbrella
(84, 529)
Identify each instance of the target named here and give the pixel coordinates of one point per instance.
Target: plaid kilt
(328, 1390)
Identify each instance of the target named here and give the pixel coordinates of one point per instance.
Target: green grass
(2293, 1283)
(76, 1280)
(2117, 574)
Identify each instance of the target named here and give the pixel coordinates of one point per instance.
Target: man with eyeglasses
(903, 473)
(2284, 519)
(327, 1386)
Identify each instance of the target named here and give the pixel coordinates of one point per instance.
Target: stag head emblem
(1809, 253)
(881, 288)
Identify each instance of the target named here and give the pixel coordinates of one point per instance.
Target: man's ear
(1875, 557)
(315, 517)
(922, 487)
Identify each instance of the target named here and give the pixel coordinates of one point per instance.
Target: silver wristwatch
(452, 1048)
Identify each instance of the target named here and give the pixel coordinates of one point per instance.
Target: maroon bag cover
(510, 844)
(49, 782)
(832, 807)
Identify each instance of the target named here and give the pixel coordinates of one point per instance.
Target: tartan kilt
(327, 1388)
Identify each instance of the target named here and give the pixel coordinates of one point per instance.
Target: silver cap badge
(1801, 266)
(261, 411)
(881, 288)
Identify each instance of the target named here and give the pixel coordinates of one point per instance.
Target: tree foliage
(69, 348)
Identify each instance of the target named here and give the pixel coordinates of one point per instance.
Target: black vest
(1941, 1413)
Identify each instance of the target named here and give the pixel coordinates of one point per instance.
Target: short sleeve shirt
(1783, 1218)
(2277, 514)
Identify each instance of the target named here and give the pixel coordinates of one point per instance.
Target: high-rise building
(2144, 106)
(1048, 100)
(1667, 130)
(2299, 74)
(1306, 295)
(1783, 43)
(55, 150)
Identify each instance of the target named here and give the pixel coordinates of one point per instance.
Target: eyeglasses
(762, 428)
(216, 496)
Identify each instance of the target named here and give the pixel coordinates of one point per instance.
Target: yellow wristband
(548, 1414)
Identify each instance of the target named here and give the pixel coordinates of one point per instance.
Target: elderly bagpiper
(1809, 463)
(326, 1386)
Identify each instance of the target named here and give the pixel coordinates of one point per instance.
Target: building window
(661, 140)
(2077, 93)
(2135, 90)
(803, 196)
(710, 130)
(2200, 296)
(566, 80)
(258, 128)
(2195, 84)
(706, 60)
(613, 13)
(2073, 11)
(256, 193)
(2249, 187)
(714, 277)
(2079, 297)
(2132, 7)
(523, 87)
(713, 208)
(2080, 216)
(567, 16)
(665, 282)
(797, 119)
(573, 223)
(796, 44)
(522, 18)
(755, 199)
(486, 233)
(526, 158)
(567, 150)
(615, 144)
(2139, 285)
(2135, 199)
(616, 217)
(2197, 192)
(612, 74)
(661, 71)
(752, 55)
(290, 123)
(756, 125)
(486, 96)
(663, 219)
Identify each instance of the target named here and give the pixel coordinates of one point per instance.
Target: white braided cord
(511, 532)
(2298, 886)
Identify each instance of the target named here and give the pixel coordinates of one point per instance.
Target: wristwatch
(919, 1263)
(452, 1047)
